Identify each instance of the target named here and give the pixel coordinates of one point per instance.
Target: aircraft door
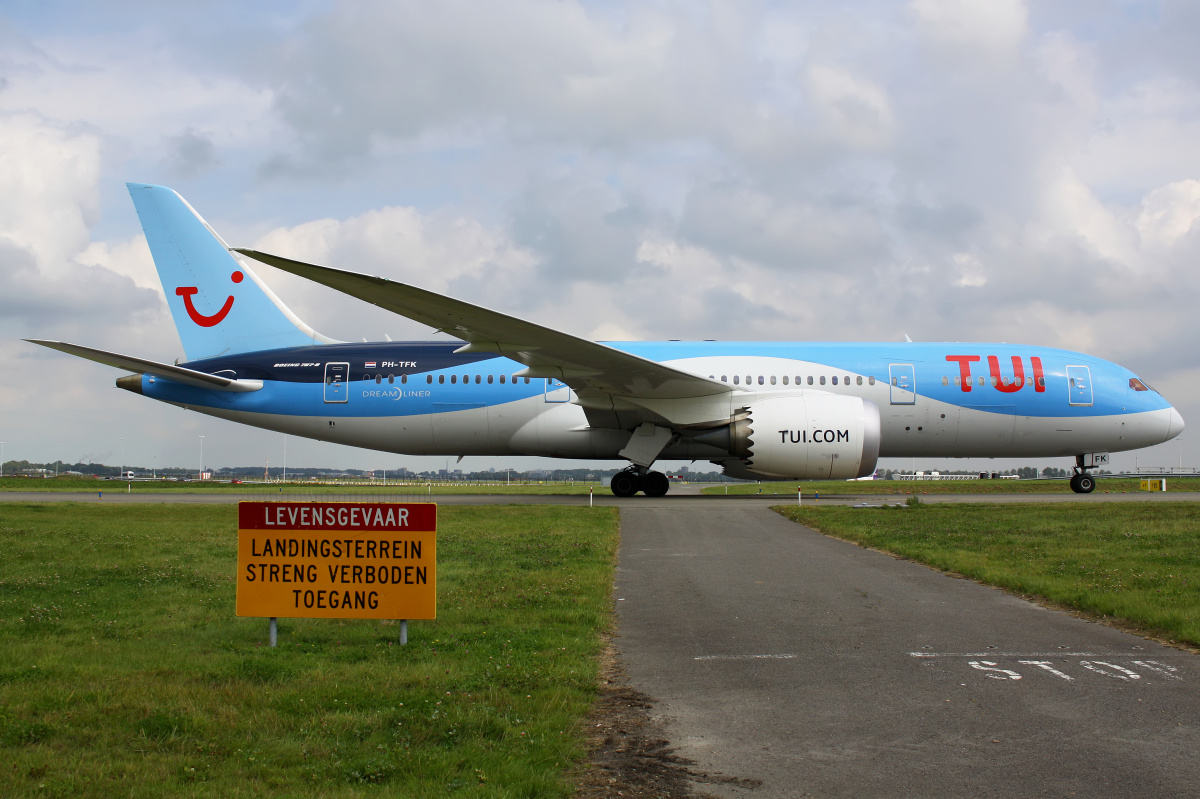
(1079, 385)
(336, 375)
(904, 383)
(557, 390)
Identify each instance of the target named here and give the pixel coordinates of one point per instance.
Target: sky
(949, 170)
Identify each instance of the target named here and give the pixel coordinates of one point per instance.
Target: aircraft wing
(586, 366)
(177, 373)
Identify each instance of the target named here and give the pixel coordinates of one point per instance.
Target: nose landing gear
(1081, 481)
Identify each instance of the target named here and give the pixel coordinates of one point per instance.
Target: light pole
(153, 464)
(200, 476)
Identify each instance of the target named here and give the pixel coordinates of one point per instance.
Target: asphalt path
(805, 666)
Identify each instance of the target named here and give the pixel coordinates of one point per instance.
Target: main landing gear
(632, 480)
(1081, 481)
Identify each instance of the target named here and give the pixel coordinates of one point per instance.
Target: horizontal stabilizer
(178, 374)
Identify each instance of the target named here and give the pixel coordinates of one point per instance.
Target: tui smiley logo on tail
(207, 321)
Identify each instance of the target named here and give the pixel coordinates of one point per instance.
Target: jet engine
(805, 437)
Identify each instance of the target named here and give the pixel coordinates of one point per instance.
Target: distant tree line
(23, 467)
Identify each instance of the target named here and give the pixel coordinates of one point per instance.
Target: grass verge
(877, 487)
(123, 670)
(298, 488)
(1137, 562)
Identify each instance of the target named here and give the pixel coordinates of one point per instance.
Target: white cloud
(973, 28)
(858, 110)
(48, 193)
(1169, 213)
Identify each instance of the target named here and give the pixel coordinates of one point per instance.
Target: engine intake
(813, 436)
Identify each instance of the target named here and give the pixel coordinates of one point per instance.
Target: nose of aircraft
(1175, 426)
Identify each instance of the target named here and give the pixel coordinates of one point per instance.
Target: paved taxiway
(775, 655)
(819, 668)
(685, 496)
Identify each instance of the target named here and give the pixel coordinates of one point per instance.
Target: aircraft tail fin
(220, 306)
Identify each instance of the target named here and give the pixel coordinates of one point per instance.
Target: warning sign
(337, 560)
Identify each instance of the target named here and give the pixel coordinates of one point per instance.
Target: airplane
(762, 410)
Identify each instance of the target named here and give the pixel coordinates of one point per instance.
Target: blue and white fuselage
(420, 398)
(506, 386)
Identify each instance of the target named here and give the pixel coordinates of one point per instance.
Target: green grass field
(298, 488)
(123, 670)
(1138, 563)
(901, 487)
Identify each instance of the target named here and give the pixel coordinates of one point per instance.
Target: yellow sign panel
(337, 560)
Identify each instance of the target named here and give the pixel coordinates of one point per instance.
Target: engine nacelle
(806, 437)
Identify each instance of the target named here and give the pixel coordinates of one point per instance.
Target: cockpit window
(1138, 385)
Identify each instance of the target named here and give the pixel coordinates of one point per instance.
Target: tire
(625, 484)
(1075, 484)
(655, 484)
(1086, 484)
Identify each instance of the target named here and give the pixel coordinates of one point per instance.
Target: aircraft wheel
(625, 484)
(1075, 482)
(655, 484)
(1086, 484)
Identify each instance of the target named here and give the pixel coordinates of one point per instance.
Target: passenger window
(785, 380)
(527, 381)
(993, 380)
(428, 378)
(945, 380)
(822, 379)
(391, 380)
(478, 380)
(893, 381)
(772, 379)
(724, 379)
(441, 378)
(871, 380)
(489, 379)
(858, 380)
(749, 380)
(846, 380)
(761, 382)
(466, 379)
(1041, 381)
(366, 378)
(981, 380)
(810, 380)
(502, 379)
(834, 380)
(956, 380)
(403, 378)
(378, 379)
(737, 380)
